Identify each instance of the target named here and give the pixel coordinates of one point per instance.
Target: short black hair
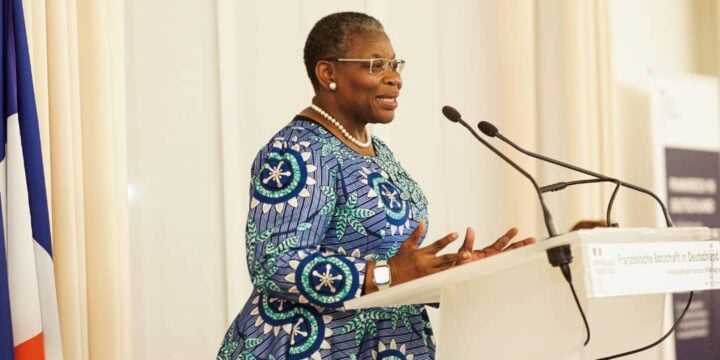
(329, 37)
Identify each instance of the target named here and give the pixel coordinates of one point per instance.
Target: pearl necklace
(342, 128)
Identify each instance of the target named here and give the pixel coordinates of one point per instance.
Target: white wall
(651, 38)
(176, 223)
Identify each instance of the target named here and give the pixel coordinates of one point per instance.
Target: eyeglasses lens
(379, 66)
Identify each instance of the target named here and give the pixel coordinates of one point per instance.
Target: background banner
(692, 196)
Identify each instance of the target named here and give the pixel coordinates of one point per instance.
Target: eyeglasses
(377, 66)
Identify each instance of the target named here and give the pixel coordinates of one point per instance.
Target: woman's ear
(325, 73)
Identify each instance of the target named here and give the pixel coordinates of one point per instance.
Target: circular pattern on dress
(391, 354)
(307, 334)
(396, 208)
(391, 351)
(281, 177)
(275, 311)
(327, 280)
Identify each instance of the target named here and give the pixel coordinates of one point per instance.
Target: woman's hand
(411, 263)
(589, 224)
(467, 254)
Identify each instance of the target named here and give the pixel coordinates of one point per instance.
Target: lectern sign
(618, 269)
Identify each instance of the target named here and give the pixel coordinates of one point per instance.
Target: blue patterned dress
(319, 211)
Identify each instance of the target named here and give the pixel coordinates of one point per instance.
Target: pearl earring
(332, 86)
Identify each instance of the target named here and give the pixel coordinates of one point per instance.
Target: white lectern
(517, 306)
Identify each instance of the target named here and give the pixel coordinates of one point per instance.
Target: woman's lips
(388, 102)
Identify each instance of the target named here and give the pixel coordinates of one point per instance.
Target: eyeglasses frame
(398, 64)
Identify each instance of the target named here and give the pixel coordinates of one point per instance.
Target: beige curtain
(517, 96)
(553, 97)
(77, 57)
(588, 101)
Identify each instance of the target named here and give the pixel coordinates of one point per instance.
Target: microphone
(492, 131)
(454, 116)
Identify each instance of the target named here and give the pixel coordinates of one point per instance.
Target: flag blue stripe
(6, 334)
(8, 89)
(9, 69)
(30, 132)
(16, 79)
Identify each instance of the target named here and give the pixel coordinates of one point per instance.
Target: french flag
(29, 326)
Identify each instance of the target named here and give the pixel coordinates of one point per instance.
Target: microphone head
(451, 114)
(487, 128)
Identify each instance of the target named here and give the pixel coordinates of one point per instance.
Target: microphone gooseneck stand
(454, 116)
(561, 256)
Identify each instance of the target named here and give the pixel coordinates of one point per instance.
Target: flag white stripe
(48, 304)
(3, 198)
(22, 273)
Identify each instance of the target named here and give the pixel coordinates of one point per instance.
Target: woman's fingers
(444, 266)
(417, 262)
(413, 263)
(446, 259)
(467, 246)
(413, 240)
(438, 245)
(502, 242)
(521, 243)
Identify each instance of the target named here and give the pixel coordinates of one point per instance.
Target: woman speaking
(333, 215)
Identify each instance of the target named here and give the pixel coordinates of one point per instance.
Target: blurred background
(152, 111)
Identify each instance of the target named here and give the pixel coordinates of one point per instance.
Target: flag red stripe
(32, 349)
